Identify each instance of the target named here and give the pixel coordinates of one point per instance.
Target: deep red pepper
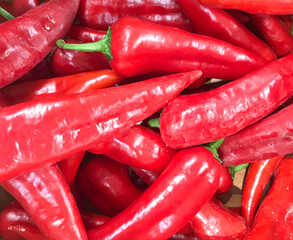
(45, 195)
(190, 180)
(268, 138)
(152, 48)
(219, 24)
(240, 16)
(214, 221)
(189, 236)
(101, 14)
(274, 217)
(6, 6)
(274, 33)
(65, 125)
(226, 181)
(288, 21)
(30, 37)
(200, 118)
(277, 7)
(111, 181)
(20, 7)
(257, 178)
(85, 34)
(60, 85)
(139, 147)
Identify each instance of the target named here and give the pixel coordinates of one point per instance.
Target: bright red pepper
(136, 47)
(271, 137)
(273, 219)
(189, 181)
(139, 147)
(45, 195)
(221, 25)
(65, 125)
(101, 14)
(201, 118)
(30, 37)
(274, 33)
(277, 7)
(257, 178)
(226, 181)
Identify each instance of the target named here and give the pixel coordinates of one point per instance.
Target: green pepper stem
(155, 122)
(214, 146)
(103, 46)
(6, 14)
(234, 169)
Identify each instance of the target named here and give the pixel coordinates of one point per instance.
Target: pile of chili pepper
(129, 119)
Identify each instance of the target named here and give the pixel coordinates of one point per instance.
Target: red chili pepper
(274, 33)
(30, 37)
(274, 217)
(214, 221)
(110, 181)
(85, 34)
(45, 195)
(152, 48)
(20, 7)
(239, 15)
(288, 21)
(189, 181)
(65, 125)
(226, 181)
(82, 82)
(138, 146)
(219, 24)
(258, 176)
(268, 138)
(101, 14)
(6, 6)
(200, 118)
(277, 7)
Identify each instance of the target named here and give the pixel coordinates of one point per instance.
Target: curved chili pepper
(139, 147)
(275, 33)
(152, 48)
(200, 118)
(268, 138)
(258, 176)
(111, 182)
(226, 181)
(214, 221)
(101, 14)
(274, 217)
(45, 195)
(17, 41)
(273, 7)
(190, 180)
(65, 125)
(60, 85)
(20, 7)
(220, 25)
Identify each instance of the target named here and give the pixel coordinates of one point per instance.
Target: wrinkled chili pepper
(152, 48)
(101, 14)
(190, 180)
(271, 137)
(65, 125)
(273, 219)
(45, 195)
(30, 37)
(258, 176)
(111, 181)
(60, 85)
(274, 33)
(139, 147)
(273, 7)
(200, 118)
(220, 25)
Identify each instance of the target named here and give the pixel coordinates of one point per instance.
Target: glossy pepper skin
(111, 181)
(215, 221)
(138, 147)
(272, 7)
(226, 181)
(76, 122)
(271, 137)
(101, 14)
(170, 202)
(38, 30)
(152, 48)
(257, 178)
(45, 195)
(201, 118)
(274, 217)
(221, 25)
(81, 82)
